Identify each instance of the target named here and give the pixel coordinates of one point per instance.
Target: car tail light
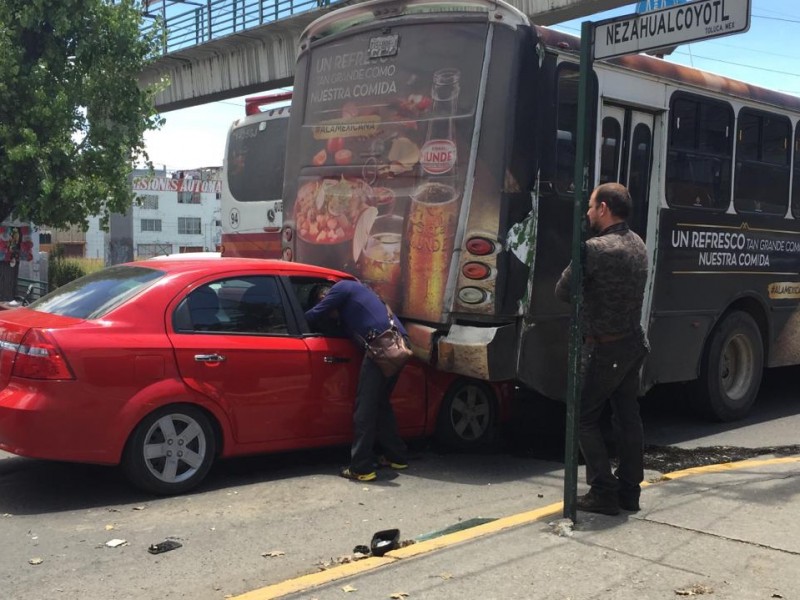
(39, 357)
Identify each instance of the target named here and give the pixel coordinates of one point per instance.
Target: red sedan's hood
(14, 324)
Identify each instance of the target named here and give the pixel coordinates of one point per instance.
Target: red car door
(234, 343)
(336, 386)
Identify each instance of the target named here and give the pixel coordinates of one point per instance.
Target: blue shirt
(361, 312)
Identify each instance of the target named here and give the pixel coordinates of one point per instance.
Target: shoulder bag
(389, 349)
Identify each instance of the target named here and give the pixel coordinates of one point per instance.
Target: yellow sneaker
(352, 475)
(385, 462)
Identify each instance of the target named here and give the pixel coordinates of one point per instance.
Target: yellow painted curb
(306, 582)
(475, 532)
(730, 466)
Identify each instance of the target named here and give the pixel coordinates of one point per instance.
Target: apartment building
(173, 212)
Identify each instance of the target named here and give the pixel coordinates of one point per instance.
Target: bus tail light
(476, 270)
(472, 295)
(480, 246)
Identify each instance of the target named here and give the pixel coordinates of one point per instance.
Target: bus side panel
(543, 358)
(504, 173)
(708, 263)
(544, 342)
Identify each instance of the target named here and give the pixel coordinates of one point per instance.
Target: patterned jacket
(614, 279)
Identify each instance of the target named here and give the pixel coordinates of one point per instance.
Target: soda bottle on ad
(433, 214)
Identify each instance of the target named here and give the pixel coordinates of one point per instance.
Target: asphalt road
(261, 520)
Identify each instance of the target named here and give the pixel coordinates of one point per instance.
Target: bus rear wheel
(733, 363)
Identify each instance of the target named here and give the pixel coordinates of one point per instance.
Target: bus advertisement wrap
(384, 146)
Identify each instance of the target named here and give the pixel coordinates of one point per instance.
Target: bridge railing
(212, 19)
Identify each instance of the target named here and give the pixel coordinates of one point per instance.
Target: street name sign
(681, 24)
(648, 5)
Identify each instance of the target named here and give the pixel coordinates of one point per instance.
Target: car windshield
(94, 295)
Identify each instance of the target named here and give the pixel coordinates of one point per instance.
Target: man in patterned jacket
(614, 348)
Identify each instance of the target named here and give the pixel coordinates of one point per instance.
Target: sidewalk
(729, 530)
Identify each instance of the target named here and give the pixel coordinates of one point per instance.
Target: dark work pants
(611, 376)
(373, 420)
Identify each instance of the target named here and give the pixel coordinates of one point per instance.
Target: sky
(767, 55)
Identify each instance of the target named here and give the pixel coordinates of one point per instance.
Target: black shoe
(629, 502)
(594, 503)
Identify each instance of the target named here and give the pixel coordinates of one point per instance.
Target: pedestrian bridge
(218, 49)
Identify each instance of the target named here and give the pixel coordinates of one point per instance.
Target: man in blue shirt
(363, 315)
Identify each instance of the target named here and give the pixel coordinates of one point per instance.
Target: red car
(164, 365)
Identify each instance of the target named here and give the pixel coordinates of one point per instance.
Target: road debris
(562, 527)
(698, 589)
(116, 543)
(349, 588)
(164, 546)
(35, 561)
(384, 541)
(273, 553)
(399, 596)
(670, 458)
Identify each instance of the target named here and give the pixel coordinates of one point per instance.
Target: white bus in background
(252, 178)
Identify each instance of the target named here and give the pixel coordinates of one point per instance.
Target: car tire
(467, 416)
(731, 369)
(171, 450)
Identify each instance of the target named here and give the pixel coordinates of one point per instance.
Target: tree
(72, 116)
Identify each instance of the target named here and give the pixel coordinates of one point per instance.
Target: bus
(433, 154)
(252, 178)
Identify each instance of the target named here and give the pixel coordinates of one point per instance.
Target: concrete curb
(307, 582)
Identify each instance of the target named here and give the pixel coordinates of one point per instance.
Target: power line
(736, 64)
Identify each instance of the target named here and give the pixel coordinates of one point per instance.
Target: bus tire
(467, 415)
(732, 367)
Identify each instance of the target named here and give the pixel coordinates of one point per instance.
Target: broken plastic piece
(164, 546)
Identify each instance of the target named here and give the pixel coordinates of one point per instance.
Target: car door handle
(335, 359)
(209, 358)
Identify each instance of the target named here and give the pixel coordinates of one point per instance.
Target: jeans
(611, 375)
(373, 420)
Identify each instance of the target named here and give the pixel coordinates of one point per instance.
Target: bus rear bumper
(487, 353)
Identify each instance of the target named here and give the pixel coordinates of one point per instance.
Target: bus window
(699, 152)
(761, 184)
(609, 150)
(256, 159)
(567, 129)
(639, 178)
(796, 178)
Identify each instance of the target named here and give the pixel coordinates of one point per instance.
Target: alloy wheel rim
(174, 448)
(470, 413)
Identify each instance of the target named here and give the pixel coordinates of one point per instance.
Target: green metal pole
(575, 336)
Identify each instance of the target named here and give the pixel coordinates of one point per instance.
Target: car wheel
(171, 450)
(467, 415)
(733, 363)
